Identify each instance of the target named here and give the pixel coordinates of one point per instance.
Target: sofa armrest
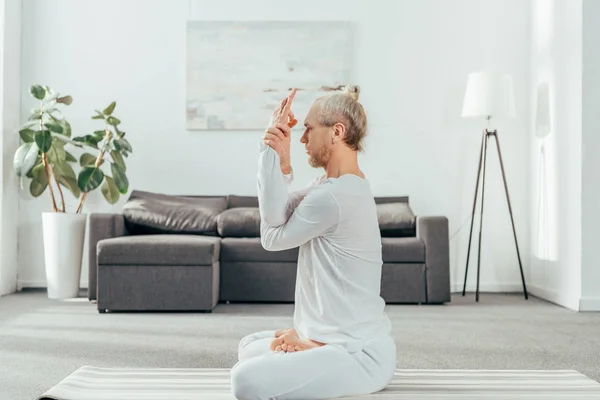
(101, 226)
(433, 230)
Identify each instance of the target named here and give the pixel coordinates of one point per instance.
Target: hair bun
(352, 91)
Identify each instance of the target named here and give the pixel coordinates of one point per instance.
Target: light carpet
(91, 383)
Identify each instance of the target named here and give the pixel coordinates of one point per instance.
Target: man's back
(339, 272)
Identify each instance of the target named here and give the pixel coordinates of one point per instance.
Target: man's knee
(244, 383)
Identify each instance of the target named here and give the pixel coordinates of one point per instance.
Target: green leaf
(37, 91)
(66, 127)
(118, 159)
(27, 135)
(66, 176)
(98, 115)
(109, 110)
(43, 139)
(120, 178)
(71, 184)
(38, 173)
(38, 162)
(70, 157)
(116, 145)
(87, 160)
(109, 190)
(91, 141)
(122, 144)
(57, 152)
(39, 180)
(25, 158)
(67, 100)
(54, 127)
(113, 121)
(62, 168)
(90, 178)
(36, 188)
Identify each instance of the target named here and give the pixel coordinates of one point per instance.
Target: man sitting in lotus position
(341, 342)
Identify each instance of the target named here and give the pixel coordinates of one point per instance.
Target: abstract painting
(238, 72)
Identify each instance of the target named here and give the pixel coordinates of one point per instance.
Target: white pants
(322, 373)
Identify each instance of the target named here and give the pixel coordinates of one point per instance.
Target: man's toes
(284, 347)
(278, 348)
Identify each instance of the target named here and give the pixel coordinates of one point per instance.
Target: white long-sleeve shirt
(334, 223)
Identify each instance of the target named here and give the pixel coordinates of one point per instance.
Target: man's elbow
(273, 219)
(268, 244)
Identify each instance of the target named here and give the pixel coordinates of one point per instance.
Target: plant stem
(47, 169)
(62, 197)
(47, 166)
(107, 136)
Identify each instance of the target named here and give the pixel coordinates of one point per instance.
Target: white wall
(10, 50)
(412, 61)
(556, 209)
(590, 263)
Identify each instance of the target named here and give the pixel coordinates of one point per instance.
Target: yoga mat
(91, 383)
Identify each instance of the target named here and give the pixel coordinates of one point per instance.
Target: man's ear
(339, 132)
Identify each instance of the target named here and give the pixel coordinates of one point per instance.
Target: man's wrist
(286, 169)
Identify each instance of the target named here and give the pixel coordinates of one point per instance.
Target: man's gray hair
(344, 108)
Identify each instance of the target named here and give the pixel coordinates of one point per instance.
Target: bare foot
(290, 342)
(285, 330)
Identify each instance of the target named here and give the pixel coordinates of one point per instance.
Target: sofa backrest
(234, 201)
(391, 199)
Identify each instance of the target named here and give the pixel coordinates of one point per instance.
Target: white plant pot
(64, 235)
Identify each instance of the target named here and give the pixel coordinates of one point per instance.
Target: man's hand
(277, 135)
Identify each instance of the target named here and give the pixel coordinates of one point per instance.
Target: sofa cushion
(239, 222)
(250, 249)
(396, 219)
(403, 249)
(159, 250)
(147, 212)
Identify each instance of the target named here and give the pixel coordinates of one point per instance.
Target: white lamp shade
(489, 94)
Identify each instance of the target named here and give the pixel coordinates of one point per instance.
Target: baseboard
(41, 284)
(555, 297)
(502, 287)
(589, 304)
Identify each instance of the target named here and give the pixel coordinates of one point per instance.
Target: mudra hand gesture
(277, 135)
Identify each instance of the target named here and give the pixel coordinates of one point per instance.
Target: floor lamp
(489, 95)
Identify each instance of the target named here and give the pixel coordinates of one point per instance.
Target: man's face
(316, 139)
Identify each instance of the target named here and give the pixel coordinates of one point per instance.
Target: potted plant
(44, 158)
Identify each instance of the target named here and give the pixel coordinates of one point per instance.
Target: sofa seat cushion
(250, 249)
(403, 249)
(159, 250)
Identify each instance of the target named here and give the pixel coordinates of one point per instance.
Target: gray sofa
(188, 253)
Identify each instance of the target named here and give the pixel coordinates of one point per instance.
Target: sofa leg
(102, 311)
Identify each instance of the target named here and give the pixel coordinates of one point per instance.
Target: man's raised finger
(289, 99)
